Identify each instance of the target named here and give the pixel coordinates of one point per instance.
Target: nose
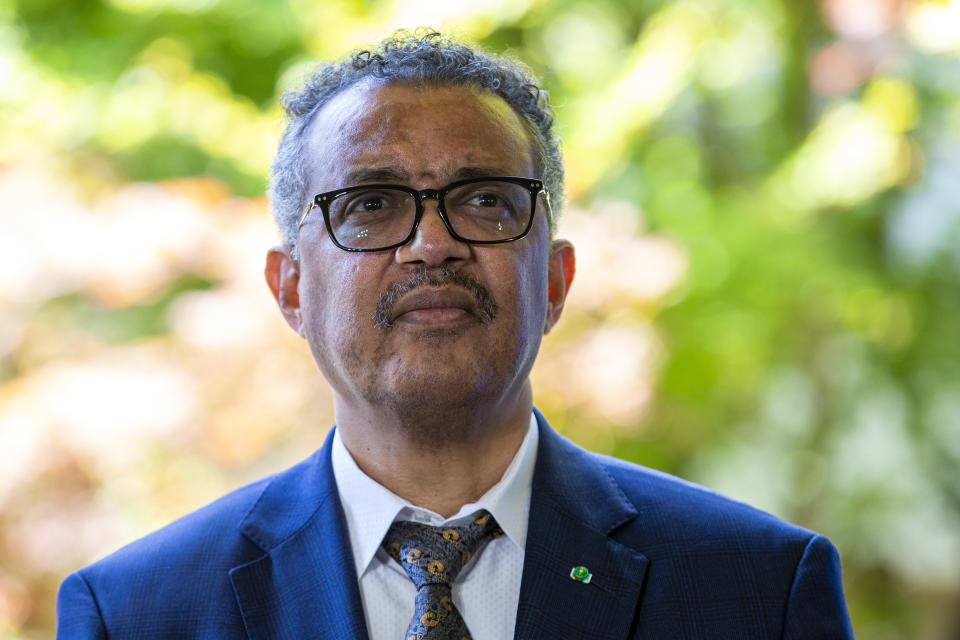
(432, 243)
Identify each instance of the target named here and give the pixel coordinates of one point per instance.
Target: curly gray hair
(416, 57)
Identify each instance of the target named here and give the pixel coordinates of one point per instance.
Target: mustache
(423, 276)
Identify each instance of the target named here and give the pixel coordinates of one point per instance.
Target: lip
(433, 306)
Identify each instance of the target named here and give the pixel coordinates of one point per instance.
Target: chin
(438, 382)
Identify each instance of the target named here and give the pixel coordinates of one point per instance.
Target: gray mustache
(486, 308)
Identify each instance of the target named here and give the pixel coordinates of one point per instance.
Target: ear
(283, 276)
(560, 271)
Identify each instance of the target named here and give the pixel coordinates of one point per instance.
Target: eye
(372, 203)
(485, 200)
(380, 202)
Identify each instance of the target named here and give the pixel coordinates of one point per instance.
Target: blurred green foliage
(804, 157)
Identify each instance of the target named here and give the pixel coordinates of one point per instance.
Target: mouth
(438, 298)
(433, 307)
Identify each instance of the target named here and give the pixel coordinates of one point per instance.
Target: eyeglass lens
(478, 211)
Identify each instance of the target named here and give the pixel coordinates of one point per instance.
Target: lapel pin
(581, 574)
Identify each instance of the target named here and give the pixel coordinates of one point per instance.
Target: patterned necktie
(433, 557)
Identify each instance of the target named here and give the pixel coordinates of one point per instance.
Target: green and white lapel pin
(581, 574)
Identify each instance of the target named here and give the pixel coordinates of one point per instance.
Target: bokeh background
(765, 198)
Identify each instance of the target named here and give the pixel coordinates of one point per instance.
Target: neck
(437, 458)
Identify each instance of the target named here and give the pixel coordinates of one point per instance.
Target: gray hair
(421, 56)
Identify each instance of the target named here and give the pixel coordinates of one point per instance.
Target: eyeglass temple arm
(546, 199)
(310, 206)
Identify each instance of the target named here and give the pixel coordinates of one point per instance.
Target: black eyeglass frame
(323, 200)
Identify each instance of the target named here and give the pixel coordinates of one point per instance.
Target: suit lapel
(575, 506)
(305, 584)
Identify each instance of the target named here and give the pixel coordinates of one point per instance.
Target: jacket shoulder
(226, 530)
(173, 582)
(689, 510)
(703, 547)
(210, 531)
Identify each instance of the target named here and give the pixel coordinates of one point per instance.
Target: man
(416, 188)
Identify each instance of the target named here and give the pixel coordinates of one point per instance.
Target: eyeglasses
(374, 217)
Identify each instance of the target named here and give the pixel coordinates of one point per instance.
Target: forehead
(418, 134)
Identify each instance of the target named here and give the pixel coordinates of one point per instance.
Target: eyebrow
(479, 172)
(396, 174)
(376, 174)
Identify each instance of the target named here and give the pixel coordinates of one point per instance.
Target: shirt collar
(370, 508)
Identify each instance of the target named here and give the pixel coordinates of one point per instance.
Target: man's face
(435, 323)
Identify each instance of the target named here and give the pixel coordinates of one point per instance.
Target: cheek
(536, 280)
(536, 305)
(330, 295)
(529, 291)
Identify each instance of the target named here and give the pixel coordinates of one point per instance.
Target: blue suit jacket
(669, 560)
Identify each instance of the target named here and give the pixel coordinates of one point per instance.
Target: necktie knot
(433, 558)
(432, 555)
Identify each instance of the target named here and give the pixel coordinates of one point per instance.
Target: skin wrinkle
(389, 133)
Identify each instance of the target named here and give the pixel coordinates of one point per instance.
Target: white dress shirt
(488, 588)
